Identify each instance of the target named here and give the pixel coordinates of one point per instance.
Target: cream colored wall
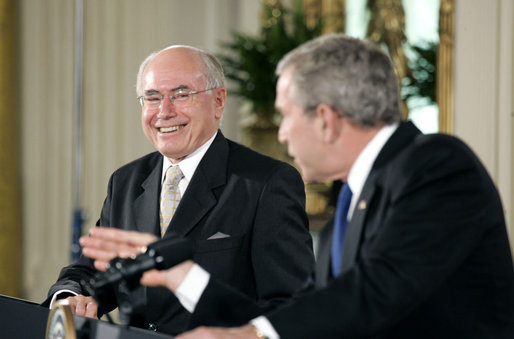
(484, 90)
(46, 72)
(118, 35)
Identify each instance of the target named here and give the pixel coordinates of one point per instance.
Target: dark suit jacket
(426, 254)
(257, 200)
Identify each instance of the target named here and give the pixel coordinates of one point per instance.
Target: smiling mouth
(171, 129)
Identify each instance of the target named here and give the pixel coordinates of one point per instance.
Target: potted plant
(250, 62)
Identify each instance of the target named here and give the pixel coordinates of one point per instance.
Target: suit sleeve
(282, 254)
(221, 305)
(433, 209)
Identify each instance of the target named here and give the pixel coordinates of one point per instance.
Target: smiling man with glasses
(244, 212)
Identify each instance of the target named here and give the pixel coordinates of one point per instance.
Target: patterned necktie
(170, 196)
(341, 218)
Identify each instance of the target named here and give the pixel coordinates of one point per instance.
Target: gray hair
(353, 76)
(213, 70)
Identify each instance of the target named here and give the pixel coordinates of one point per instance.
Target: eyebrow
(175, 89)
(180, 87)
(151, 92)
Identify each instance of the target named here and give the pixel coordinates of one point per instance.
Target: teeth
(170, 129)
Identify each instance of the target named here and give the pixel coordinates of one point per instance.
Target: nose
(167, 108)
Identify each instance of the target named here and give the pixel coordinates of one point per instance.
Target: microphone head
(170, 251)
(162, 254)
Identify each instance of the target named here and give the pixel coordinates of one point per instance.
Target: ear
(219, 101)
(330, 121)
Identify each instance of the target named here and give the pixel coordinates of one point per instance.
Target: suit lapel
(405, 133)
(323, 270)
(146, 204)
(200, 197)
(352, 238)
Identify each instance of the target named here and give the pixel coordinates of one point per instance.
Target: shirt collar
(189, 164)
(362, 166)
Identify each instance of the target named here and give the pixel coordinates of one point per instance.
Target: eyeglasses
(180, 97)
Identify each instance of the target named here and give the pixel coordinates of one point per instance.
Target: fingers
(90, 249)
(203, 332)
(171, 278)
(154, 278)
(130, 238)
(199, 332)
(105, 249)
(101, 265)
(104, 244)
(84, 306)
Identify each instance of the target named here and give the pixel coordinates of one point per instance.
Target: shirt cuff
(192, 287)
(56, 294)
(263, 325)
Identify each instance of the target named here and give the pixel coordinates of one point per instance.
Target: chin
(306, 177)
(311, 177)
(168, 153)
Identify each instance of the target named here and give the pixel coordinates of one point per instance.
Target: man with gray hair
(418, 246)
(243, 212)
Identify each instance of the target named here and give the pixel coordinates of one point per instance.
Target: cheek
(287, 128)
(297, 133)
(282, 134)
(146, 119)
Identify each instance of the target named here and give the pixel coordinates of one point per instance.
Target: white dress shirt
(362, 165)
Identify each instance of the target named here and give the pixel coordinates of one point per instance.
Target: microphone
(161, 255)
(123, 275)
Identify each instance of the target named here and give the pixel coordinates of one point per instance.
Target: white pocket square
(218, 235)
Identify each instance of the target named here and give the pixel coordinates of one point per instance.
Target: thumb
(154, 278)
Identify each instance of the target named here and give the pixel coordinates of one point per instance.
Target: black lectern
(24, 319)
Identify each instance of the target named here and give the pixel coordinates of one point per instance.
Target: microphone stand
(130, 294)
(123, 275)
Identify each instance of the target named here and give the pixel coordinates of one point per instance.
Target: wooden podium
(20, 319)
